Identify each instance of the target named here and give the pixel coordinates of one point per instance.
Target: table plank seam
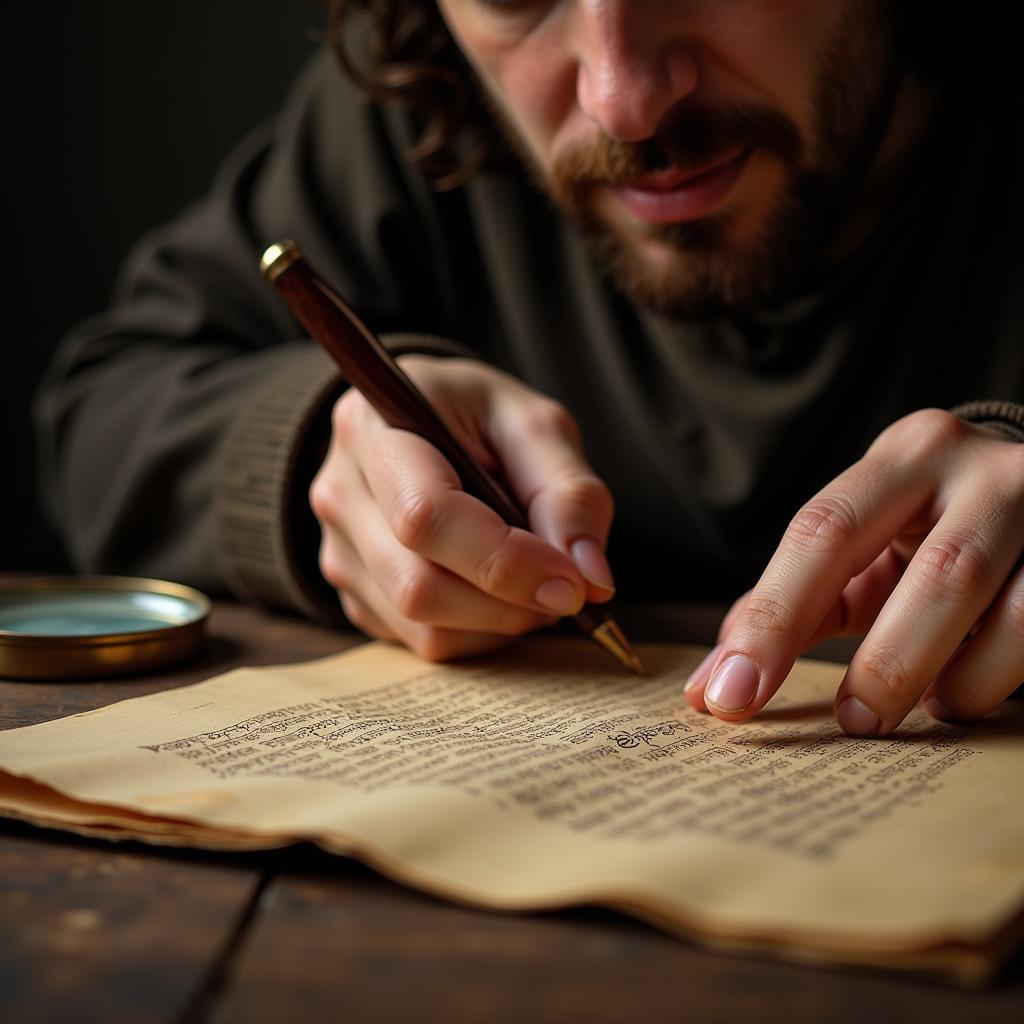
(216, 978)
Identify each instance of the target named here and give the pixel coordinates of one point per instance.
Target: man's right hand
(417, 560)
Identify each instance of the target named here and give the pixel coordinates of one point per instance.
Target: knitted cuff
(269, 537)
(256, 506)
(1005, 416)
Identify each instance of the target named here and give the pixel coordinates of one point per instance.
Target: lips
(676, 195)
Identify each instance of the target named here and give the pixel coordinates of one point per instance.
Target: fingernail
(557, 595)
(938, 710)
(857, 719)
(590, 561)
(733, 686)
(699, 674)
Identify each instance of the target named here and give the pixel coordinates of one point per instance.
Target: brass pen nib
(613, 640)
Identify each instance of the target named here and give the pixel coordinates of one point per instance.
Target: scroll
(545, 777)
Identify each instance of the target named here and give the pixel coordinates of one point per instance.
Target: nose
(631, 70)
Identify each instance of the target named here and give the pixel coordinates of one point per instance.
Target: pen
(369, 367)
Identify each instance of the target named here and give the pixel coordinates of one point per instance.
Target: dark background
(116, 114)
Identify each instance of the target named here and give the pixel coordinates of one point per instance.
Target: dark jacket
(180, 429)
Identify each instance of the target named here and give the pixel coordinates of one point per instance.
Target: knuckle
(884, 665)
(765, 614)
(344, 414)
(414, 595)
(725, 627)
(322, 498)
(415, 521)
(497, 571)
(826, 524)
(334, 570)
(584, 492)
(959, 565)
(546, 416)
(926, 433)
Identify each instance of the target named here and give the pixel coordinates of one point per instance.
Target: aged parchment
(546, 777)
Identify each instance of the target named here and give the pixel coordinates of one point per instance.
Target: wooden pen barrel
(368, 366)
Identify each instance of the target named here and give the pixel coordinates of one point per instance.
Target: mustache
(689, 138)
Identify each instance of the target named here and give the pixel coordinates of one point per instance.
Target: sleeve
(1005, 416)
(179, 431)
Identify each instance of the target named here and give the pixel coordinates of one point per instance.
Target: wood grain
(93, 932)
(332, 940)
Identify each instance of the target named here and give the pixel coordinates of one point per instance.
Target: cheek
(525, 72)
(538, 93)
(769, 51)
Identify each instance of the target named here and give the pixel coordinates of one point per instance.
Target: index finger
(832, 539)
(420, 496)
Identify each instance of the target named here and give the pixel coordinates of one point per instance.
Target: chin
(699, 272)
(736, 261)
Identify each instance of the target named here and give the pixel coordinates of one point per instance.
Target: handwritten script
(574, 753)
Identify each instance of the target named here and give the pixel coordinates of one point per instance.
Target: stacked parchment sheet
(545, 776)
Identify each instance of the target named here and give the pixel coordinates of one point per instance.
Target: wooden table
(91, 931)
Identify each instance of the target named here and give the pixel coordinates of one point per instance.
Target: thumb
(568, 505)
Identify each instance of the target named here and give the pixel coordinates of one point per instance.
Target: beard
(715, 264)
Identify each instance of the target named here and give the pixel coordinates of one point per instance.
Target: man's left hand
(918, 545)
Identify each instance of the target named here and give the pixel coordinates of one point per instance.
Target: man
(777, 244)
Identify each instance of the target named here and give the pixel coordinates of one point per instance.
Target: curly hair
(408, 55)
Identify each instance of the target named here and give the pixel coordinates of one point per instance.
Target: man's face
(708, 147)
